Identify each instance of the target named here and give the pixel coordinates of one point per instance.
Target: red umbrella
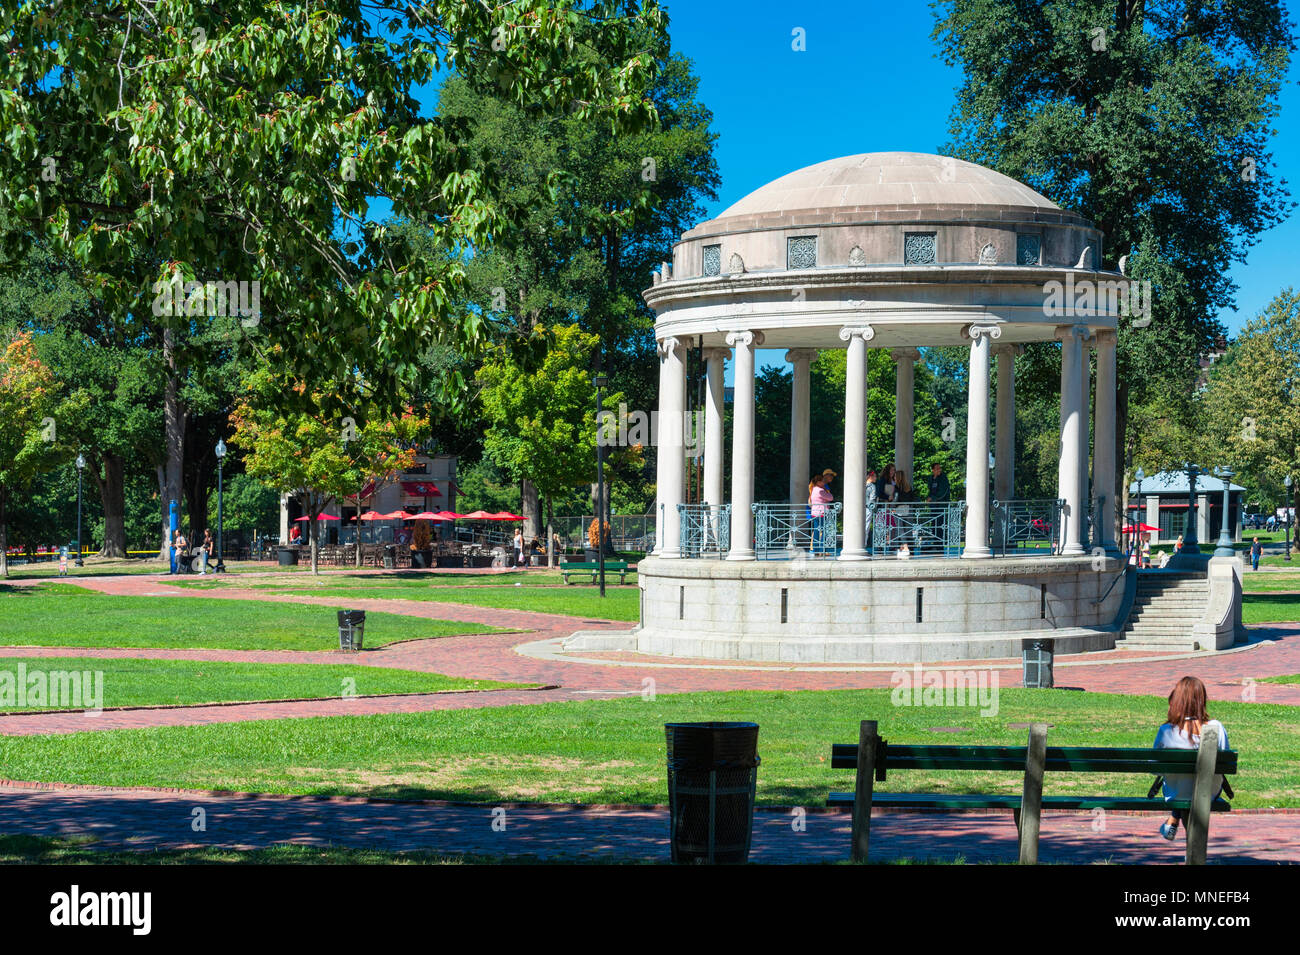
(1139, 528)
(320, 517)
(448, 515)
(479, 516)
(398, 516)
(506, 516)
(426, 516)
(371, 516)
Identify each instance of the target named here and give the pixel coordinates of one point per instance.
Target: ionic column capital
(864, 332)
(665, 346)
(713, 352)
(744, 339)
(976, 332)
(795, 355)
(1106, 336)
(908, 354)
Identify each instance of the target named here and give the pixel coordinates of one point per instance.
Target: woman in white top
(519, 546)
(1182, 730)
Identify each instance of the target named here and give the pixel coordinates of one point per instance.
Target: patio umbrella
(398, 516)
(320, 517)
(479, 516)
(1139, 529)
(448, 516)
(505, 516)
(427, 516)
(371, 516)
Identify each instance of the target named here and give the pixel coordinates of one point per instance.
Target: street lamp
(601, 383)
(1286, 516)
(221, 457)
(1189, 536)
(1223, 548)
(81, 466)
(1142, 514)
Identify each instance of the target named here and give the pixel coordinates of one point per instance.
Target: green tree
(1252, 402)
(542, 422)
(31, 409)
(1152, 119)
(317, 456)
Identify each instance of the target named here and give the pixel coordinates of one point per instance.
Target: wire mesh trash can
(390, 556)
(352, 627)
(1036, 656)
(712, 772)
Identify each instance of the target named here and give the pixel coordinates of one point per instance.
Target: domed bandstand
(896, 251)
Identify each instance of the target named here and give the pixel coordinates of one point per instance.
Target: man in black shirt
(939, 490)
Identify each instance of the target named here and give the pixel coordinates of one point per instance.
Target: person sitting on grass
(1182, 729)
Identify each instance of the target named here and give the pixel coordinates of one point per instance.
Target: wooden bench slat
(997, 801)
(1089, 759)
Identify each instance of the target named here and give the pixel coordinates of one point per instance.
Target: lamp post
(1142, 514)
(81, 466)
(1190, 540)
(1223, 547)
(601, 382)
(1286, 517)
(221, 489)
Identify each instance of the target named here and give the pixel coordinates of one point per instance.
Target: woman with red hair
(1182, 730)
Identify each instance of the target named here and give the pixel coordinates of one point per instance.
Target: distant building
(1163, 504)
(428, 485)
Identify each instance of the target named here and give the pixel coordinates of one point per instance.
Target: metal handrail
(1027, 521)
(706, 529)
(789, 529)
(1118, 577)
(927, 529)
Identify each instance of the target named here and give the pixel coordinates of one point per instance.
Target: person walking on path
(1182, 730)
(1145, 562)
(206, 550)
(519, 547)
(818, 497)
(1256, 548)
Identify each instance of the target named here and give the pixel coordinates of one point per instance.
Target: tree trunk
(166, 522)
(113, 496)
(550, 534)
(531, 509)
(174, 427)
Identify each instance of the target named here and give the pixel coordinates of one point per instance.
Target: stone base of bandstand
(867, 611)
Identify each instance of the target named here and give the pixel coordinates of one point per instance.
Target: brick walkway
(145, 820)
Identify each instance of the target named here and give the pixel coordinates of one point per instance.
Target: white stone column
(977, 442)
(1203, 530)
(855, 442)
(714, 440)
(1068, 485)
(904, 405)
(1103, 451)
(1153, 516)
(671, 450)
(1004, 437)
(742, 445)
(1085, 435)
(800, 422)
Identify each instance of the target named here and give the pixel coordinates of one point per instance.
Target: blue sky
(869, 81)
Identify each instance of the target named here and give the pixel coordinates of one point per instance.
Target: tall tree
(31, 408)
(1150, 117)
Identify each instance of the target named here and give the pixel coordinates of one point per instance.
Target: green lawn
(99, 567)
(1289, 678)
(613, 750)
(1270, 608)
(540, 591)
(128, 682)
(1258, 582)
(66, 615)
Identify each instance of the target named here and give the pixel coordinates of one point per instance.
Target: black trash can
(352, 627)
(390, 556)
(712, 772)
(1036, 657)
(288, 556)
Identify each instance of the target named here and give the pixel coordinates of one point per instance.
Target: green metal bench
(591, 568)
(872, 758)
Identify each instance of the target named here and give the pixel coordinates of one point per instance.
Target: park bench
(873, 758)
(591, 568)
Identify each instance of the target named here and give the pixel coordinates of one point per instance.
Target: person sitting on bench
(1182, 730)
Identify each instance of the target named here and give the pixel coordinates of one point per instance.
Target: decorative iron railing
(788, 530)
(1027, 525)
(706, 529)
(924, 529)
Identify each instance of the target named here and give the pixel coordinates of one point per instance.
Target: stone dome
(888, 179)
